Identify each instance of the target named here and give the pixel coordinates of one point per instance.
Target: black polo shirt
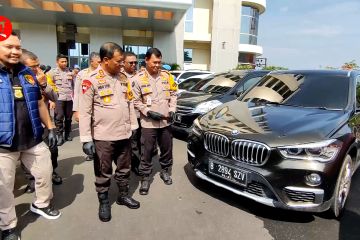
(24, 137)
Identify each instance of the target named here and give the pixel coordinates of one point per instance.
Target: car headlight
(206, 106)
(323, 151)
(196, 128)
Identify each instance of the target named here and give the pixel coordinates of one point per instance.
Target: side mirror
(239, 92)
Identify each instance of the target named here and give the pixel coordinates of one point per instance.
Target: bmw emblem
(234, 132)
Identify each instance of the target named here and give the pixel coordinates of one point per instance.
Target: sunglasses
(134, 62)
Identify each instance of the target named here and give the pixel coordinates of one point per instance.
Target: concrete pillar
(99, 36)
(225, 34)
(40, 39)
(171, 44)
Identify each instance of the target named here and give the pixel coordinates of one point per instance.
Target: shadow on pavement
(135, 180)
(349, 222)
(73, 184)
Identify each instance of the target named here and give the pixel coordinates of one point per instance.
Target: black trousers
(106, 153)
(136, 147)
(63, 111)
(149, 136)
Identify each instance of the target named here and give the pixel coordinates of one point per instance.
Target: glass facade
(79, 55)
(189, 19)
(188, 55)
(140, 52)
(249, 25)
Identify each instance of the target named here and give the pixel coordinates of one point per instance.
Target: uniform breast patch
(85, 85)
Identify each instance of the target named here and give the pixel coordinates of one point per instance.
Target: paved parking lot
(188, 209)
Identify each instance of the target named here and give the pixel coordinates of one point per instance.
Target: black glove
(89, 148)
(52, 138)
(171, 117)
(155, 115)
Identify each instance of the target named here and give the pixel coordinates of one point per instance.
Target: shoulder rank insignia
(129, 93)
(29, 79)
(101, 74)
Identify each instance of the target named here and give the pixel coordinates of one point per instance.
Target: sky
(310, 34)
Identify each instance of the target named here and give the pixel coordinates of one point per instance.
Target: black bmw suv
(210, 93)
(291, 141)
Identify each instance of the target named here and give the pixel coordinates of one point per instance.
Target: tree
(274, 68)
(350, 65)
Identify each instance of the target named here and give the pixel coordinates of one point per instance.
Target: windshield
(188, 83)
(221, 83)
(200, 84)
(315, 90)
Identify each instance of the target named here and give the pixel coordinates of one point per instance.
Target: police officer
(130, 67)
(84, 74)
(21, 113)
(155, 98)
(30, 60)
(64, 80)
(107, 118)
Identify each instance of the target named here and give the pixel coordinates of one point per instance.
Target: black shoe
(68, 138)
(155, 152)
(47, 212)
(10, 234)
(128, 201)
(144, 188)
(104, 207)
(89, 158)
(30, 188)
(56, 179)
(60, 140)
(165, 176)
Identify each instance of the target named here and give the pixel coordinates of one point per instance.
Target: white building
(210, 34)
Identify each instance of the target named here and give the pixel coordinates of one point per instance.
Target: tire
(342, 187)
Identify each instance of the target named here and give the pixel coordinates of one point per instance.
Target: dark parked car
(291, 141)
(210, 93)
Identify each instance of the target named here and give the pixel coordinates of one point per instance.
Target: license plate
(177, 118)
(229, 173)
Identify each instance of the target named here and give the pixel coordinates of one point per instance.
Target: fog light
(313, 179)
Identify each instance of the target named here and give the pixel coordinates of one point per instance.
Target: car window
(175, 74)
(247, 84)
(188, 83)
(200, 84)
(221, 84)
(323, 90)
(358, 92)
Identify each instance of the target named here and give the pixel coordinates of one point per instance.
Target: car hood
(192, 99)
(271, 124)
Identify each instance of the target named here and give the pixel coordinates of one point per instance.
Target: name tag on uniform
(148, 101)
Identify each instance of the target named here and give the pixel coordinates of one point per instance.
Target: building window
(246, 58)
(189, 19)
(188, 55)
(140, 52)
(79, 55)
(249, 25)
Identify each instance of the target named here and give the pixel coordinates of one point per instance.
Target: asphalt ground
(188, 209)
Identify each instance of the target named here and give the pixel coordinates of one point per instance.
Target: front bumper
(280, 184)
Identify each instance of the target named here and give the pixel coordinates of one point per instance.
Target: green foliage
(244, 67)
(274, 68)
(350, 65)
(174, 66)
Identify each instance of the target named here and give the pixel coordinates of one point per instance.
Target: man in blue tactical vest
(22, 112)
